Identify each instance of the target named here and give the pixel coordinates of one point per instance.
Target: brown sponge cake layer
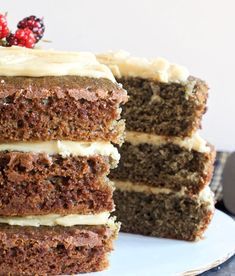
(55, 250)
(162, 215)
(38, 184)
(60, 108)
(168, 109)
(167, 166)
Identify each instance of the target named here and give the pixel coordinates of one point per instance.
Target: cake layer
(161, 214)
(168, 109)
(60, 108)
(166, 165)
(163, 98)
(39, 184)
(55, 250)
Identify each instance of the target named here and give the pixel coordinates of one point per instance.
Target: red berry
(4, 31)
(35, 24)
(25, 38)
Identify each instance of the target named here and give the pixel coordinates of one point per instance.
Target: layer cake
(165, 168)
(60, 116)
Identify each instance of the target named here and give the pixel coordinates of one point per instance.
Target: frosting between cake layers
(123, 64)
(195, 142)
(205, 195)
(20, 61)
(55, 219)
(64, 148)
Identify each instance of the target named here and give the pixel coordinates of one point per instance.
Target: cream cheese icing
(55, 219)
(64, 148)
(205, 195)
(195, 142)
(21, 61)
(123, 64)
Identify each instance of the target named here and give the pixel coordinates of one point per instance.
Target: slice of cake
(58, 96)
(165, 168)
(60, 114)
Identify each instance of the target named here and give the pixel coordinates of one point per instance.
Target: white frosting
(21, 61)
(195, 142)
(141, 188)
(54, 219)
(205, 195)
(123, 64)
(64, 148)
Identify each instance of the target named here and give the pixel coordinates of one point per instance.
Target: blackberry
(11, 40)
(35, 24)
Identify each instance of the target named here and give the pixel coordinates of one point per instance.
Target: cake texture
(54, 250)
(164, 108)
(167, 215)
(164, 99)
(59, 121)
(165, 168)
(60, 108)
(38, 184)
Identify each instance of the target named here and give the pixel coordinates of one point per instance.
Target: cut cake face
(165, 167)
(60, 116)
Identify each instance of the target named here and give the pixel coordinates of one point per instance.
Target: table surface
(227, 268)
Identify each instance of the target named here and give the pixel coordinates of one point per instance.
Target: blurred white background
(197, 33)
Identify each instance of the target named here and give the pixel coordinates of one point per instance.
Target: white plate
(137, 255)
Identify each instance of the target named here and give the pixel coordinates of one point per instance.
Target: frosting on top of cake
(20, 61)
(195, 142)
(64, 148)
(123, 64)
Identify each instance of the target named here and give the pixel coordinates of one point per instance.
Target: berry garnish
(30, 31)
(11, 40)
(25, 38)
(35, 24)
(4, 30)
